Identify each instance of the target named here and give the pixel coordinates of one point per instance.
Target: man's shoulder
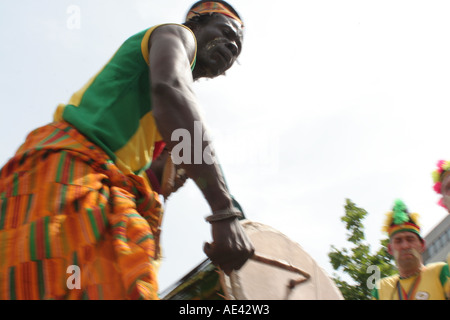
(170, 33)
(436, 266)
(433, 265)
(384, 285)
(173, 28)
(390, 280)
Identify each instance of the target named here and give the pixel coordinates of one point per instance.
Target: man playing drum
(76, 193)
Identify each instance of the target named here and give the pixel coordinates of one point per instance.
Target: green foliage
(355, 261)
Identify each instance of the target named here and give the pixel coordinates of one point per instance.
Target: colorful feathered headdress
(399, 219)
(438, 175)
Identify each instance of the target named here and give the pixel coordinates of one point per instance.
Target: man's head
(406, 244)
(441, 179)
(219, 32)
(407, 248)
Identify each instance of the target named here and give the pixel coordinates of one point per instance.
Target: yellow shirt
(433, 284)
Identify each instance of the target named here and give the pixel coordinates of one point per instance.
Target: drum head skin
(257, 280)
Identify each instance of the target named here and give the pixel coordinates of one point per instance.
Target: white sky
(331, 100)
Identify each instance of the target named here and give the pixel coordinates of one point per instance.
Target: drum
(279, 270)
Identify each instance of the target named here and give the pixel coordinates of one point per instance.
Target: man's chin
(408, 258)
(217, 67)
(213, 73)
(408, 261)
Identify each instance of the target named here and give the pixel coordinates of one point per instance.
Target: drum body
(280, 270)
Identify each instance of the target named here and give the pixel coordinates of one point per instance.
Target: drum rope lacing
(286, 266)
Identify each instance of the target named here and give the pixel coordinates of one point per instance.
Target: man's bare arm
(175, 105)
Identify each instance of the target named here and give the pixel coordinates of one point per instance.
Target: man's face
(445, 190)
(219, 43)
(407, 248)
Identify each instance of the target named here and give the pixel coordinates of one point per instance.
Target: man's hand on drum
(231, 247)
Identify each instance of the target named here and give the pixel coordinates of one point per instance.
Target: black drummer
(82, 177)
(218, 31)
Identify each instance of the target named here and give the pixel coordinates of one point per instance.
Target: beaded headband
(212, 6)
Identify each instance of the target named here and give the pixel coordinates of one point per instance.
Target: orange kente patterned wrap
(63, 203)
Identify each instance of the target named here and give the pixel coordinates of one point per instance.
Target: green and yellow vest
(114, 108)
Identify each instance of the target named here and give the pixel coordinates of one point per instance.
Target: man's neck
(407, 273)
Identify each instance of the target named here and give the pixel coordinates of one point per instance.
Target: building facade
(438, 242)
